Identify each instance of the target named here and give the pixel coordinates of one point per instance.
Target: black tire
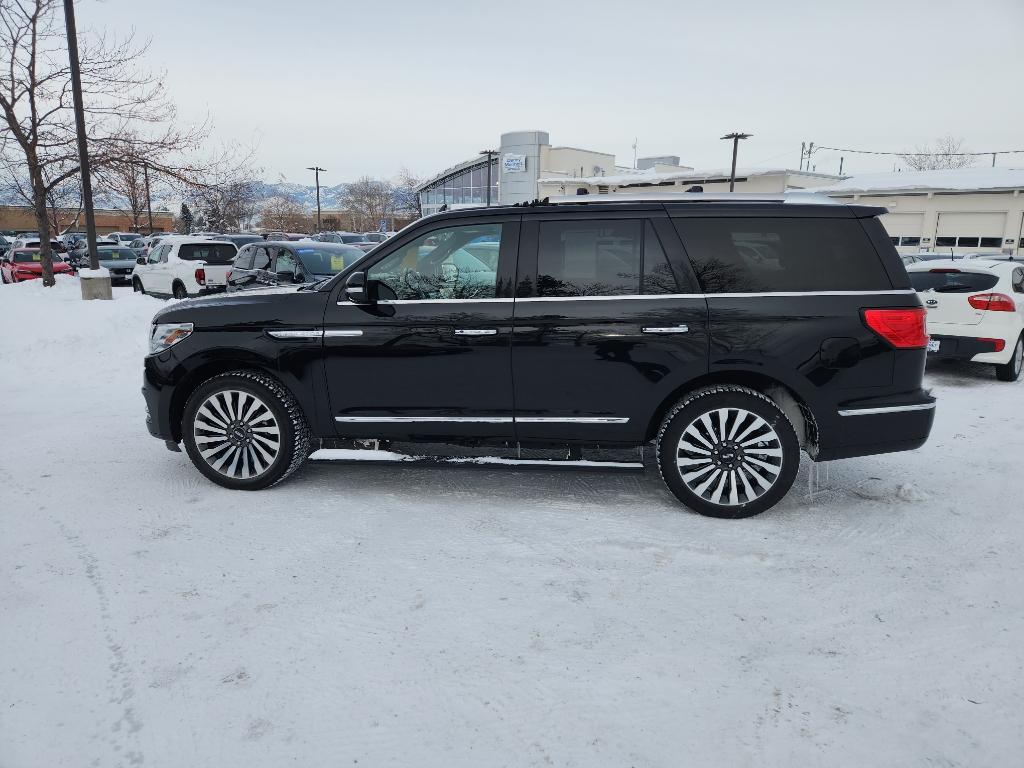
(235, 449)
(137, 286)
(178, 291)
(740, 475)
(1011, 370)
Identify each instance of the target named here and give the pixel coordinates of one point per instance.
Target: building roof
(951, 180)
(476, 160)
(650, 176)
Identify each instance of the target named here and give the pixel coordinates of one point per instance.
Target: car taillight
(201, 276)
(994, 302)
(998, 345)
(902, 328)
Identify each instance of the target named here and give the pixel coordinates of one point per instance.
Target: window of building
(967, 242)
(894, 240)
(991, 242)
(448, 263)
(945, 242)
(911, 241)
(752, 255)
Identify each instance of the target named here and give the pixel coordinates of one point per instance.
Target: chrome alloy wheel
(729, 456)
(237, 434)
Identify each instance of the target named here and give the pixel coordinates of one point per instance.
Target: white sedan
(975, 311)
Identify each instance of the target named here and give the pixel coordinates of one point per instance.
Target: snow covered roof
(960, 179)
(650, 176)
(472, 162)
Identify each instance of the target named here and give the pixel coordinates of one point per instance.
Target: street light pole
(490, 153)
(83, 149)
(317, 169)
(735, 147)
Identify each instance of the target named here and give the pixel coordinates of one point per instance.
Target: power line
(901, 154)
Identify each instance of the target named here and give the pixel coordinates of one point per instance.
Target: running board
(367, 456)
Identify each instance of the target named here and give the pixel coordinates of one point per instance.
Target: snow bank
(87, 273)
(960, 179)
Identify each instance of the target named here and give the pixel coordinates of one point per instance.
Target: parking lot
(464, 616)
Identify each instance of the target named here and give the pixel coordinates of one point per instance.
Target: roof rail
(792, 198)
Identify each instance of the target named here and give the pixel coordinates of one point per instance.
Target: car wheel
(137, 286)
(728, 451)
(1011, 370)
(178, 291)
(244, 430)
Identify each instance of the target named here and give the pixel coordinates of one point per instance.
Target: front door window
(450, 263)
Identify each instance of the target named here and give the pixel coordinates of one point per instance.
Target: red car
(24, 264)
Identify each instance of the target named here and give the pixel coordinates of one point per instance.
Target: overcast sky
(369, 87)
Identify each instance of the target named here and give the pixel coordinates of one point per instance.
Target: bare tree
(949, 152)
(284, 215)
(407, 199)
(39, 149)
(369, 201)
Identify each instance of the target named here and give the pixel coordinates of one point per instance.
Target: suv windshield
(328, 261)
(211, 253)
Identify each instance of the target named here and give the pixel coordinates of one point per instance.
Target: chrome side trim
(475, 332)
(342, 333)
(886, 409)
(616, 298)
(892, 292)
(296, 334)
(481, 419)
(572, 419)
(682, 328)
(442, 301)
(424, 419)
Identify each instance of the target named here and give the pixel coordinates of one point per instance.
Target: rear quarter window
(211, 253)
(953, 282)
(769, 254)
(244, 259)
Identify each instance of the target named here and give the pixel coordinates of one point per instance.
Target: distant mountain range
(301, 194)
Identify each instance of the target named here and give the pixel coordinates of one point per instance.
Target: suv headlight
(166, 335)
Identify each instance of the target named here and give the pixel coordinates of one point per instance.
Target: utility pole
(489, 153)
(83, 149)
(317, 169)
(841, 165)
(993, 159)
(803, 151)
(149, 199)
(735, 147)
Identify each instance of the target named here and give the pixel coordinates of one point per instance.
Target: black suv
(730, 332)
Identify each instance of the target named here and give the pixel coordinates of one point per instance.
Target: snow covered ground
(411, 616)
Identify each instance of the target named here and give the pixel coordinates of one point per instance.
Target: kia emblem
(932, 302)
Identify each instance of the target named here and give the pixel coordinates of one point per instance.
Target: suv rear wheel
(728, 451)
(1011, 370)
(244, 430)
(178, 291)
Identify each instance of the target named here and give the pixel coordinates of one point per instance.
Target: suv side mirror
(355, 288)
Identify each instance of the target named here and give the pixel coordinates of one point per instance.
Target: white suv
(184, 266)
(975, 311)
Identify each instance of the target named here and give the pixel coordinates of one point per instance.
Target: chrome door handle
(475, 332)
(673, 329)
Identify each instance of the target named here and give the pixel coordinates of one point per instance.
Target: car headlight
(166, 335)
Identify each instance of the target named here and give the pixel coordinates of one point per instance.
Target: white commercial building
(968, 210)
(526, 167)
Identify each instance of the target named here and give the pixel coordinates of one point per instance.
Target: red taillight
(993, 302)
(201, 276)
(903, 328)
(998, 345)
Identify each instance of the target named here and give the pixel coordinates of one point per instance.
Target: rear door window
(244, 259)
(772, 255)
(261, 259)
(211, 253)
(952, 281)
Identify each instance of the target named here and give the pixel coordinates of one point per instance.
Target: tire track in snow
(120, 681)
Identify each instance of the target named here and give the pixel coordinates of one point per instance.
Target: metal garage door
(965, 232)
(906, 227)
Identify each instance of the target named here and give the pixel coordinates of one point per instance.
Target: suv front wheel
(728, 451)
(244, 430)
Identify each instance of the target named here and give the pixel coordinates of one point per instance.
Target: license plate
(933, 345)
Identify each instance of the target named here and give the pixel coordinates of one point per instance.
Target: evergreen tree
(186, 219)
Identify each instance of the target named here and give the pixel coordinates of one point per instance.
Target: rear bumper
(976, 349)
(878, 425)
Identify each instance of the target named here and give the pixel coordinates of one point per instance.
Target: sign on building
(513, 163)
